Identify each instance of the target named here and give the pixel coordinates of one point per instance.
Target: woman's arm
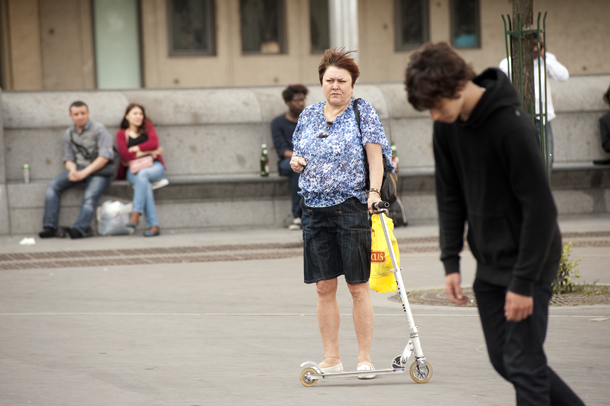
(153, 140)
(297, 162)
(375, 159)
(121, 143)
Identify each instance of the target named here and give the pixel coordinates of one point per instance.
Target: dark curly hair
(292, 90)
(435, 72)
(339, 58)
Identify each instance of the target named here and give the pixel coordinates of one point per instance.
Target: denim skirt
(337, 241)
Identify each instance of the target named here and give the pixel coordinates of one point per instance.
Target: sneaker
(76, 234)
(296, 224)
(50, 232)
(365, 366)
(160, 184)
(327, 369)
(156, 185)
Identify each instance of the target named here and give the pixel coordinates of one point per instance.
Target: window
(319, 22)
(191, 27)
(411, 23)
(262, 26)
(465, 24)
(117, 44)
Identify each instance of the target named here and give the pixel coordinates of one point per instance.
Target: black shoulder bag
(110, 169)
(389, 182)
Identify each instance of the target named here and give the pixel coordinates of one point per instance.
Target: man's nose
(435, 114)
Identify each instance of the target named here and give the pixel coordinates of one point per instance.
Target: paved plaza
(223, 318)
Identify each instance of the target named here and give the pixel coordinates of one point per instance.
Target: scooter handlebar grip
(381, 205)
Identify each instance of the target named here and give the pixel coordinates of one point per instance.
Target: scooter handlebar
(381, 205)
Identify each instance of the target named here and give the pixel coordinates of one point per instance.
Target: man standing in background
(555, 70)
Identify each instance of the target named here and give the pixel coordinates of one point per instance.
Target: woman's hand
(134, 148)
(373, 198)
(297, 164)
(157, 152)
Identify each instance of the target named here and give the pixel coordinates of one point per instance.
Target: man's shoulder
(96, 125)
(279, 119)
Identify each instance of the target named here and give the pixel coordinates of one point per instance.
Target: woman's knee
(359, 291)
(326, 287)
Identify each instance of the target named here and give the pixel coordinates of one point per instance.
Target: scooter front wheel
(420, 375)
(306, 378)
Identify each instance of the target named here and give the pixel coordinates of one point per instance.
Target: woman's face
(135, 117)
(337, 86)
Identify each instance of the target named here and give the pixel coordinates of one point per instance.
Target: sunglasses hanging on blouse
(325, 130)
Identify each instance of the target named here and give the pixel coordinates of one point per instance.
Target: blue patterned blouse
(334, 155)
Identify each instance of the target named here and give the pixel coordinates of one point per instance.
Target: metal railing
(540, 119)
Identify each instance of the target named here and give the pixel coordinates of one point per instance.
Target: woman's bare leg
(329, 320)
(135, 217)
(364, 319)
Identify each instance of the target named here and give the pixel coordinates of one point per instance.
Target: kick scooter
(420, 370)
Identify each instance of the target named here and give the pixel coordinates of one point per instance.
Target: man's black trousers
(516, 349)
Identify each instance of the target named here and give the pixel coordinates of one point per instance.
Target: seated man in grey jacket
(88, 155)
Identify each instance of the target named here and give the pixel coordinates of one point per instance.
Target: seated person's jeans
(284, 169)
(95, 187)
(143, 199)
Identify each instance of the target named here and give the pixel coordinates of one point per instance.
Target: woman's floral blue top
(334, 153)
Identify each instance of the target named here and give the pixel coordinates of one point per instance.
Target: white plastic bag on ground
(112, 217)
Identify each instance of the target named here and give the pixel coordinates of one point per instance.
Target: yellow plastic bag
(382, 279)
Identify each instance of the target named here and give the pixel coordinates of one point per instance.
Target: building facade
(122, 44)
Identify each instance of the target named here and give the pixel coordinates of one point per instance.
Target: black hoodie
(490, 174)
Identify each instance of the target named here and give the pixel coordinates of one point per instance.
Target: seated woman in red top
(141, 161)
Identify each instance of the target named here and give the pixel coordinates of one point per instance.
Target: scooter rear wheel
(306, 378)
(419, 375)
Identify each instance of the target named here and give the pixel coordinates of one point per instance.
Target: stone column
(4, 218)
(344, 24)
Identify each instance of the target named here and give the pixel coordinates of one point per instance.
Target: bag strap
(386, 167)
(357, 114)
(84, 151)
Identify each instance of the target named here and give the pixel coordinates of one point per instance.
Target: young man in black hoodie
(490, 174)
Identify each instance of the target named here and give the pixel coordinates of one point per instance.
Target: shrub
(563, 283)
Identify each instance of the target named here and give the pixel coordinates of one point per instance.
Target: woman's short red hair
(339, 58)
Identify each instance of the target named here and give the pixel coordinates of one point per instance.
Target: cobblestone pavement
(226, 252)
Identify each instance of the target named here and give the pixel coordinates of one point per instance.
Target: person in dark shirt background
(604, 131)
(489, 173)
(282, 128)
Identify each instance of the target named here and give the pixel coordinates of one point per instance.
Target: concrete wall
(48, 44)
(212, 139)
(21, 51)
(66, 36)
